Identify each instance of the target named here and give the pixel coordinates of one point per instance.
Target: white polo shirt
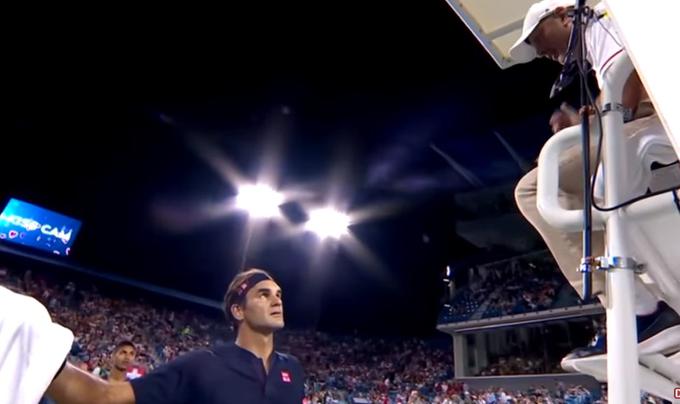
(603, 43)
(32, 348)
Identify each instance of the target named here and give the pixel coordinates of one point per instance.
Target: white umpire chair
(645, 233)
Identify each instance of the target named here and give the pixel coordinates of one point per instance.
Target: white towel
(32, 348)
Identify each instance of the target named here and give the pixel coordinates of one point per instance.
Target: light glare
(328, 222)
(260, 201)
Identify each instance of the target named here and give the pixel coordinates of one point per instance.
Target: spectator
(121, 360)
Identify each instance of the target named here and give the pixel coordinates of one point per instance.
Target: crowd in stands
(339, 370)
(464, 304)
(461, 393)
(508, 287)
(467, 300)
(528, 286)
(369, 368)
(99, 322)
(519, 365)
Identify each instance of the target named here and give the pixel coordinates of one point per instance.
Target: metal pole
(623, 372)
(586, 266)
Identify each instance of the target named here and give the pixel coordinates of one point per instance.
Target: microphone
(570, 69)
(567, 75)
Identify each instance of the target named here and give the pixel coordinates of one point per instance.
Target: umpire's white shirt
(32, 348)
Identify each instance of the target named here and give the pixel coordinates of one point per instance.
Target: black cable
(578, 32)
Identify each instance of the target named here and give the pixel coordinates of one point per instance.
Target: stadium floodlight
(328, 222)
(259, 200)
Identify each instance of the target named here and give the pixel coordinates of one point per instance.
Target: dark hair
(233, 293)
(124, 343)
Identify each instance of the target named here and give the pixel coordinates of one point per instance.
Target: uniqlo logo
(677, 392)
(285, 376)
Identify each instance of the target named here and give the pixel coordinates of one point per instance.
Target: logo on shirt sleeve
(285, 376)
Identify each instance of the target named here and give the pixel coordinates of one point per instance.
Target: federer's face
(263, 307)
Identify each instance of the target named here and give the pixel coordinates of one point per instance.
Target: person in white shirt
(545, 33)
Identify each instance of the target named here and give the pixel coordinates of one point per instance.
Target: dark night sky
(101, 111)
